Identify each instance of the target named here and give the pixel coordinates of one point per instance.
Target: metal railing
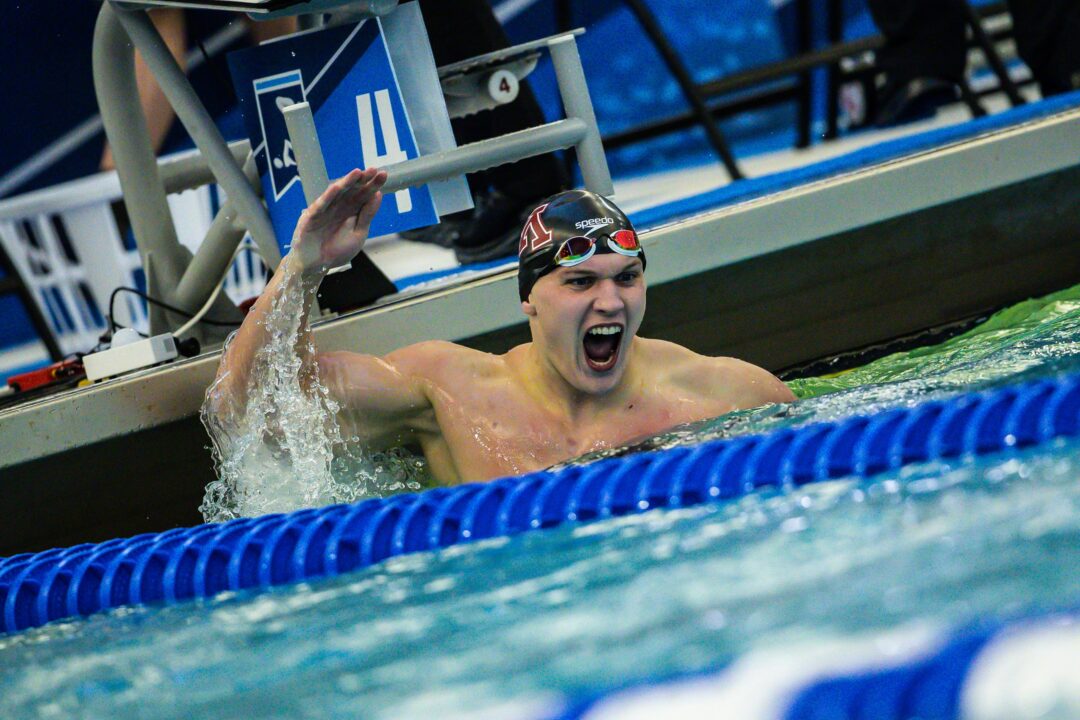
(790, 80)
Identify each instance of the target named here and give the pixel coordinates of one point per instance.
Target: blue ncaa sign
(272, 95)
(346, 76)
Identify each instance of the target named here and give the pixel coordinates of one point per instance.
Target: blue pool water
(527, 626)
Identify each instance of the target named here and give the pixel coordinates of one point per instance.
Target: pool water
(525, 626)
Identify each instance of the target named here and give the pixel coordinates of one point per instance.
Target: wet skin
(479, 416)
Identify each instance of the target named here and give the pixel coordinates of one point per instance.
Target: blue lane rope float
(202, 561)
(930, 683)
(926, 687)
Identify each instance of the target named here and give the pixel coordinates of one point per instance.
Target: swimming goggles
(578, 249)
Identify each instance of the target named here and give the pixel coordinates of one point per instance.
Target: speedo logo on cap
(594, 222)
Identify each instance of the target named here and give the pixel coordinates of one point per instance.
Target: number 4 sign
(392, 152)
(503, 86)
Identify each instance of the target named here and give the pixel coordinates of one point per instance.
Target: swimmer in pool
(586, 381)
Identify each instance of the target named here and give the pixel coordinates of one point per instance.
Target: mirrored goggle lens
(625, 240)
(575, 250)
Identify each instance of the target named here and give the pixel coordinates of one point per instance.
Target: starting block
(464, 88)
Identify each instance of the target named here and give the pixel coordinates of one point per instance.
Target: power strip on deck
(130, 356)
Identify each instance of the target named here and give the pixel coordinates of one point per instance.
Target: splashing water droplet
(285, 450)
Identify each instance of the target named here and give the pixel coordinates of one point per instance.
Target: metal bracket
(471, 92)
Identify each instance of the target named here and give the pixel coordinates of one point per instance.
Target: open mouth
(602, 346)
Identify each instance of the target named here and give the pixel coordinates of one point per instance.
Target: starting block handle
(578, 130)
(486, 154)
(576, 100)
(310, 162)
(437, 166)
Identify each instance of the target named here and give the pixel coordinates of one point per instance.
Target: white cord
(217, 290)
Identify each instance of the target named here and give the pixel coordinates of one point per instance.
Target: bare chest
(499, 433)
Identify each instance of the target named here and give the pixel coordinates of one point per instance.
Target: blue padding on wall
(419, 278)
(280, 549)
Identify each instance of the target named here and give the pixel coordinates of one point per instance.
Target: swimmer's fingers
(367, 214)
(333, 191)
(340, 194)
(334, 227)
(360, 193)
(317, 216)
(336, 203)
(364, 199)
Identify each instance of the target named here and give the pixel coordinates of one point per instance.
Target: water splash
(284, 449)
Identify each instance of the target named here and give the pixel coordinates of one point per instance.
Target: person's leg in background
(159, 113)
(923, 58)
(461, 29)
(262, 30)
(1047, 36)
(172, 25)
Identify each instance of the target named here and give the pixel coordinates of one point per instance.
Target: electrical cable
(161, 304)
(172, 308)
(217, 291)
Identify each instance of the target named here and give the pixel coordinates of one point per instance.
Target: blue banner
(344, 73)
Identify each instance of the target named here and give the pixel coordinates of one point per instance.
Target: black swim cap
(574, 213)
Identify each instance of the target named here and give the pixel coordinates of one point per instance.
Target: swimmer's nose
(608, 300)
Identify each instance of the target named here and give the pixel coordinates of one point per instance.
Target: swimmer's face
(583, 319)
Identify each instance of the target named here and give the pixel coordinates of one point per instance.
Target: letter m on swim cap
(535, 234)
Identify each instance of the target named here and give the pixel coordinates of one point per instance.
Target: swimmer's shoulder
(436, 358)
(666, 356)
(746, 384)
(410, 357)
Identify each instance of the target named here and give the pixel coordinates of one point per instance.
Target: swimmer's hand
(334, 228)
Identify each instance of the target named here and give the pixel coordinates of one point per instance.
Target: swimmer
(585, 382)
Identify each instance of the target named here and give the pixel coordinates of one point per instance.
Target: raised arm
(385, 401)
(330, 233)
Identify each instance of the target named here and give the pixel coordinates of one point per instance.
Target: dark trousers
(926, 38)
(461, 29)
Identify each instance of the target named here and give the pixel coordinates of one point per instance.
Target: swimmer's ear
(528, 308)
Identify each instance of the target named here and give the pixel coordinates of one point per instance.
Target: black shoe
(917, 99)
(441, 234)
(491, 215)
(444, 233)
(505, 245)
(500, 244)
